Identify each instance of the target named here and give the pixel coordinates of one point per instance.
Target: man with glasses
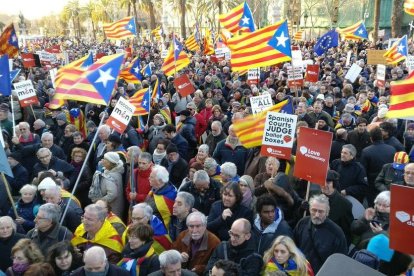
(196, 244)
(47, 231)
(239, 249)
(142, 213)
(97, 230)
(317, 236)
(25, 138)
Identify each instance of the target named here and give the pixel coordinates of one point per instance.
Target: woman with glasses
(375, 220)
(139, 257)
(285, 256)
(225, 211)
(24, 253)
(63, 258)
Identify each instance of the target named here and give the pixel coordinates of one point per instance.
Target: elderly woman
(8, 238)
(286, 257)
(272, 166)
(247, 188)
(108, 185)
(228, 173)
(201, 156)
(374, 221)
(24, 254)
(139, 257)
(225, 211)
(63, 258)
(217, 115)
(26, 208)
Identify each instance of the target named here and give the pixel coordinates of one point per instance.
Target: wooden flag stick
(6, 184)
(307, 196)
(34, 115)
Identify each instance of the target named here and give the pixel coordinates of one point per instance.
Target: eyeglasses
(40, 218)
(236, 236)
(43, 157)
(88, 219)
(137, 218)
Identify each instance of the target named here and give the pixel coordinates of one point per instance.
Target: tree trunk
(377, 13)
(152, 16)
(396, 19)
(129, 8)
(182, 8)
(220, 11)
(93, 29)
(134, 7)
(79, 26)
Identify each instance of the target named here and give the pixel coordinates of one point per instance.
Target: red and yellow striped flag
(208, 44)
(398, 51)
(121, 29)
(298, 35)
(409, 7)
(238, 19)
(9, 44)
(141, 100)
(402, 98)
(192, 44)
(176, 59)
(252, 39)
(157, 33)
(250, 129)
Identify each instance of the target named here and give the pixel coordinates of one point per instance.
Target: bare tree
(377, 12)
(396, 18)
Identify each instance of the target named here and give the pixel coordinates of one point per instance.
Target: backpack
(367, 258)
(95, 191)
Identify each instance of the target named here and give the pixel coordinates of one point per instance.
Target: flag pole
(31, 108)
(12, 113)
(150, 100)
(82, 168)
(6, 184)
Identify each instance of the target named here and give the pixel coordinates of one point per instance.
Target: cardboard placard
(260, 103)
(312, 73)
(121, 115)
(26, 93)
(297, 59)
(295, 77)
(253, 76)
(278, 135)
(381, 75)
(410, 63)
(184, 85)
(375, 57)
(353, 72)
(402, 219)
(312, 155)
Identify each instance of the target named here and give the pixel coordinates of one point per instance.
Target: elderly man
(204, 189)
(182, 207)
(96, 263)
(47, 230)
(409, 175)
(317, 236)
(231, 150)
(116, 222)
(239, 249)
(103, 133)
(176, 165)
(26, 138)
(318, 113)
(8, 238)
(353, 178)
(142, 213)
(97, 230)
(74, 213)
(162, 195)
(60, 169)
(228, 173)
(170, 263)
(217, 135)
(197, 243)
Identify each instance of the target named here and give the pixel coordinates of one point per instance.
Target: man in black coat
(175, 165)
(373, 158)
(96, 262)
(170, 132)
(20, 174)
(336, 148)
(205, 190)
(353, 178)
(359, 137)
(317, 236)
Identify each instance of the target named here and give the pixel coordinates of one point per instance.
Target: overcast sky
(32, 9)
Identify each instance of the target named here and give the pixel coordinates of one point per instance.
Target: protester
(63, 258)
(24, 253)
(8, 238)
(170, 263)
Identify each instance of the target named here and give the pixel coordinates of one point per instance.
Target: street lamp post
(305, 17)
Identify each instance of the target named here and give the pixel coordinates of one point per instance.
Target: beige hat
(112, 157)
(46, 184)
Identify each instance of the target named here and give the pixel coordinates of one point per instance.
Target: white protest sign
(227, 56)
(381, 33)
(253, 76)
(53, 73)
(164, 53)
(260, 103)
(381, 75)
(121, 115)
(294, 73)
(26, 93)
(348, 58)
(410, 63)
(47, 57)
(278, 135)
(297, 59)
(353, 72)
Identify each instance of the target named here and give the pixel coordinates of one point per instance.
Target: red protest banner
(402, 219)
(29, 60)
(184, 85)
(312, 73)
(312, 155)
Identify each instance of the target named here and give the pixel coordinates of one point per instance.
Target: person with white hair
(171, 264)
(96, 263)
(165, 193)
(228, 173)
(8, 238)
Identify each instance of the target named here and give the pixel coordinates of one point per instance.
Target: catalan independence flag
(164, 201)
(402, 98)
(208, 44)
(176, 59)
(398, 51)
(141, 101)
(96, 83)
(356, 31)
(191, 43)
(121, 29)
(156, 90)
(409, 7)
(238, 19)
(9, 44)
(252, 39)
(146, 71)
(132, 73)
(250, 129)
(270, 52)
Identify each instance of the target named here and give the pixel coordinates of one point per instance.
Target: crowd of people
(189, 198)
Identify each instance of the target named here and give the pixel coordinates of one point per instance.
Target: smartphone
(376, 223)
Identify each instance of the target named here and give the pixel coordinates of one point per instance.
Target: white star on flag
(1, 76)
(104, 77)
(245, 20)
(14, 38)
(144, 103)
(361, 31)
(130, 26)
(281, 40)
(400, 48)
(136, 69)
